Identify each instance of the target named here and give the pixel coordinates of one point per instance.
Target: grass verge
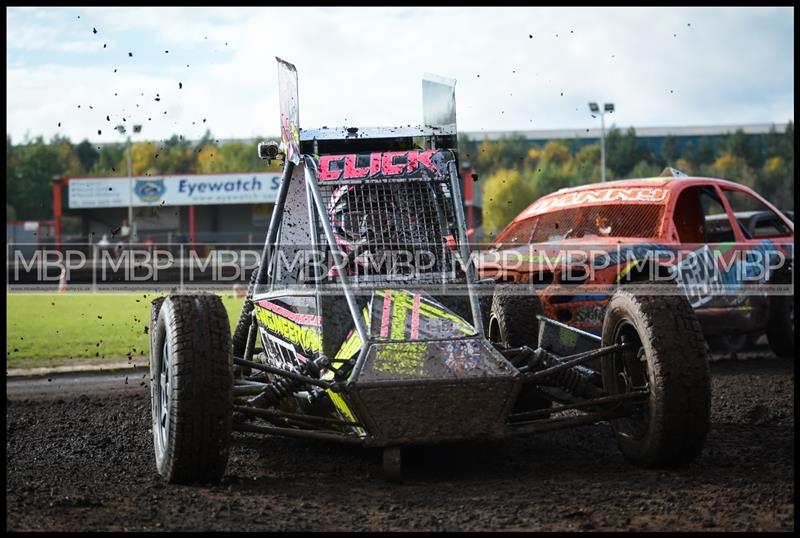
(49, 329)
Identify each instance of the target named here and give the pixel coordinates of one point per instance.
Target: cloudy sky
(517, 68)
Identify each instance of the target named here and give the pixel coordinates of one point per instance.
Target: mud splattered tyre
(191, 388)
(239, 337)
(667, 356)
(485, 302)
(155, 308)
(513, 323)
(512, 318)
(780, 331)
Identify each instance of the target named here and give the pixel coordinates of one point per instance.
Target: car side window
(700, 217)
(717, 225)
(687, 217)
(754, 217)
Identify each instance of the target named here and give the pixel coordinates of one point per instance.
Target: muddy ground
(86, 463)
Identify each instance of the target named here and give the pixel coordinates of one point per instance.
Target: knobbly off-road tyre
(669, 358)
(191, 388)
(239, 337)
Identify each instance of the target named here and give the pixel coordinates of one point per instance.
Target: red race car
(724, 247)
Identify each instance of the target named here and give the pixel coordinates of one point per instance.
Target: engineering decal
(308, 338)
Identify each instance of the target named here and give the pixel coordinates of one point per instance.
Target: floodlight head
(137, 128)
(609, 107)
(593, 107)
(120, 128)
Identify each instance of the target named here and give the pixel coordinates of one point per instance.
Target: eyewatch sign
(201, 189)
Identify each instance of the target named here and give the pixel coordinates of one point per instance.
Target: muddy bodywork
(403, 367)
(347, 342)
(363, 323)
(631, 232)
(389, 353)
(423, 374)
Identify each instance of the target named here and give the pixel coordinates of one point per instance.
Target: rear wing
(438, 129)
(290, 110)
(439, 103)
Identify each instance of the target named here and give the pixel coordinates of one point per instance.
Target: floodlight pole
(602, 146)
(130, 193)
(122, 130)
(595, 109)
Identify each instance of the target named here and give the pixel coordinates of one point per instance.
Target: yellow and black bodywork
(427, 375)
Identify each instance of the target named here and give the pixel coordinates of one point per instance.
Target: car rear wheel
(666, 357)
(191, 388)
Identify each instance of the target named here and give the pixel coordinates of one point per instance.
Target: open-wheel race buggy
(363, 323)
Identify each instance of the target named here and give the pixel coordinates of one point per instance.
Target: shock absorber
(283, 387)
(571, 379)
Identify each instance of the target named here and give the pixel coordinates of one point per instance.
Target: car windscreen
(602, 221)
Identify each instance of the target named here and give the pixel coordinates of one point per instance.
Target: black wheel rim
(631, 375)
(162, 400)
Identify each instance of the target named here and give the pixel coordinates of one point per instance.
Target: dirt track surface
(86, 463)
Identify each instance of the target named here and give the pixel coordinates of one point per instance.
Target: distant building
(652, 136)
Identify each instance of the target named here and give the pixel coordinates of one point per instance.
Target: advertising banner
(243, 188)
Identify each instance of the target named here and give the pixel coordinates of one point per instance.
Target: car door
(707, 241)
(765, 237)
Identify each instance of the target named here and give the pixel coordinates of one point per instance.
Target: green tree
(646, 169)
(508, 152)
(776, 182)
(689, 154)
(108, 161)
(175, 156)
(87, 154)
(786, 148)
(739, 144)
(550, 177)
(734, 168)
(587, 164)
(556, 152)
(623, 152)
(144, 159)
(706, 151)
(30, 171)
(505, 194)
(669, 150)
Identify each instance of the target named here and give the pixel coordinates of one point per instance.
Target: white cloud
(44, 36)
(363, 66)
